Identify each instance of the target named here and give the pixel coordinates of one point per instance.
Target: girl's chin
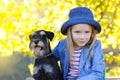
(80, 45)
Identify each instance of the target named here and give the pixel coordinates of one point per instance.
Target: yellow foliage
(30, 66)
(19, 18)
(117, 59)
(109, 57)
(114, 72)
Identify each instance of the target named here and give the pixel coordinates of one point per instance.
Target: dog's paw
(29, 78)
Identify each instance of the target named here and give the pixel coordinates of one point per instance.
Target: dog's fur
(45, 66)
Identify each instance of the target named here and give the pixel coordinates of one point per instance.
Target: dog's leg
(40, 76)
(36, 76)
(51, 76)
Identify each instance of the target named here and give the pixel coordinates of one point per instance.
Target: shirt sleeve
(55, 51)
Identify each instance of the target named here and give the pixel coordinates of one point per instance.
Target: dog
(45, 65)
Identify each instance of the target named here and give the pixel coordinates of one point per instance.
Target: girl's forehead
(82, 27)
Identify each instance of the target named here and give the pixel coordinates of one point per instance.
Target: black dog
(45, 66)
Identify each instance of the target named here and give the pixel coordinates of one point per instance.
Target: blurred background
(19, 18)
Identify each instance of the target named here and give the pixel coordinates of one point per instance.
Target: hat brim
(74, 21)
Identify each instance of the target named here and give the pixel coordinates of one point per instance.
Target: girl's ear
(50, 35)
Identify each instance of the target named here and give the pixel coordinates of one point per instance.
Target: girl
(80, 53)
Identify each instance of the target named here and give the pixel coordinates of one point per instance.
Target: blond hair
(70, 42)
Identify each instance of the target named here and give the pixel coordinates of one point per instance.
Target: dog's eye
(44, 37)
(32, 36)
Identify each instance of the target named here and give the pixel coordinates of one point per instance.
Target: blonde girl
(80, 53)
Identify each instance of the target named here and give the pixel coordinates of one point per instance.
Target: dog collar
(45, 56)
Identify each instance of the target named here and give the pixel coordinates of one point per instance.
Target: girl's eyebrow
(87, 31)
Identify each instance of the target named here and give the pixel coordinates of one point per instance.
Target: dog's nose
(36, 42)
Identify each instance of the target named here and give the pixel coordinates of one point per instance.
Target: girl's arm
(97, 69)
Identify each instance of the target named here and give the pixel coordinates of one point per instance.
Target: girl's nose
(82, 35)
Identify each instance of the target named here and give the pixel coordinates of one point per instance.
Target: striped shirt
(74, 68)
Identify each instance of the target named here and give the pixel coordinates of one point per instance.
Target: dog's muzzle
(37, 46)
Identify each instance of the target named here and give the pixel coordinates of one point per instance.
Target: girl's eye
(87, 32)
(77, 31)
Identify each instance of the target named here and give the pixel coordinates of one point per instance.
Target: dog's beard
(38, 49)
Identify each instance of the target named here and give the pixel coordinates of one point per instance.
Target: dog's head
(39, 42)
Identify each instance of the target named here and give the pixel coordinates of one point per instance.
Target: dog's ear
(50, 35)
(30, 36)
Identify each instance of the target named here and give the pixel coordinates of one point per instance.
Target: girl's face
(81, 34)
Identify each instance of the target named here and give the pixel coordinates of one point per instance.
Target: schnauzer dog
(45, 65)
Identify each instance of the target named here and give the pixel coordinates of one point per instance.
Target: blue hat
(80, 15)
